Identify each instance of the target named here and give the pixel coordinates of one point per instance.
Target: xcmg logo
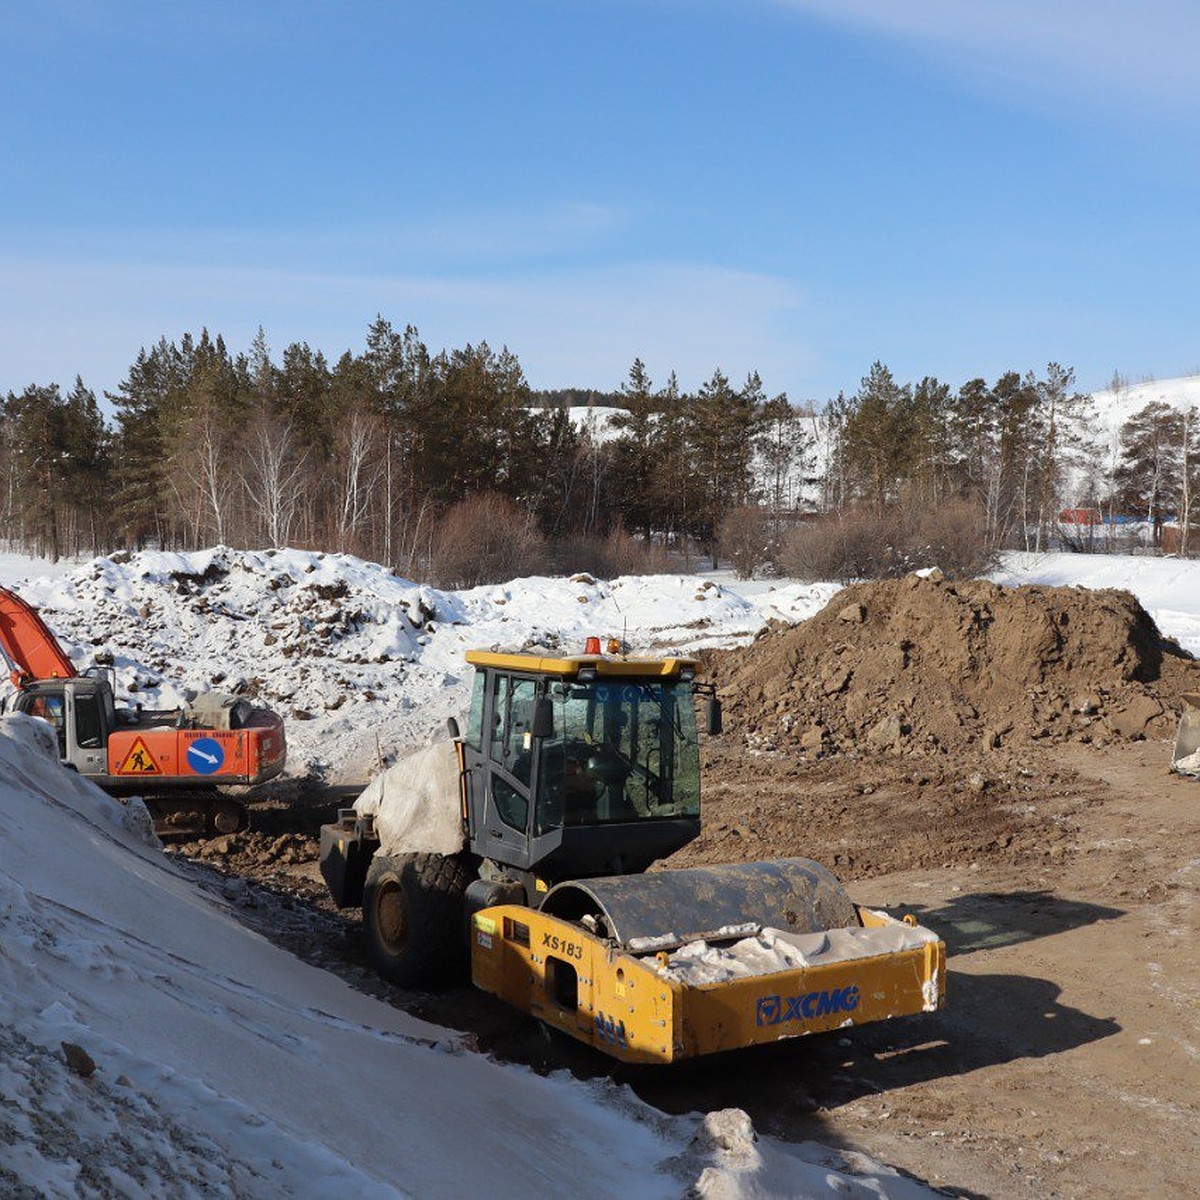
(778, 1010)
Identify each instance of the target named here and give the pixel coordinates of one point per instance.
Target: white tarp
(416, 803)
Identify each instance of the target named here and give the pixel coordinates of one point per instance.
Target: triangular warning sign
(139, 761)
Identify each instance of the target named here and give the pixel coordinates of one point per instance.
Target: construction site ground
(1018, 802)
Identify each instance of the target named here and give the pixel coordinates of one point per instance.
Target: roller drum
(793, 894)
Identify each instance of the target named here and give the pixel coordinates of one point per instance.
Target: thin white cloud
(1105, 51)
(580, 327)
(477, 236)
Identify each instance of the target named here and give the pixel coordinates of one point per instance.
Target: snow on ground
(15, 568)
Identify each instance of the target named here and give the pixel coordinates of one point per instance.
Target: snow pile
(771, 951)
(359, 662)
(153, 1047)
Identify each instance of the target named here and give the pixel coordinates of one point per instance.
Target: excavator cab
(580, 766)
(83, 714)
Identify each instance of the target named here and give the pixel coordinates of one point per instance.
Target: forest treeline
(439, 464)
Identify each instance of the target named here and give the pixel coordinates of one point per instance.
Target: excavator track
(196, 812)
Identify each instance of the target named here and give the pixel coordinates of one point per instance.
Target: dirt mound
(925, 666)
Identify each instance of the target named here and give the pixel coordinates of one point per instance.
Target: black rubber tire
(412, 917)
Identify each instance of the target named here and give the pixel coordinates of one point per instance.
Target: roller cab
(675, 1000)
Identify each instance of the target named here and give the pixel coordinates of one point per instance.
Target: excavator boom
(31, 650)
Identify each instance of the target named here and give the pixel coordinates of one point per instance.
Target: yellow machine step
(664, 1000)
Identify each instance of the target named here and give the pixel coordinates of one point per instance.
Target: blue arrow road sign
(205, 756)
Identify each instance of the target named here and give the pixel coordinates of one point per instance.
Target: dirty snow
(771, 951)
(362, 664)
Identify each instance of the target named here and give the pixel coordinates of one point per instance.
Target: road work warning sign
(139, 761)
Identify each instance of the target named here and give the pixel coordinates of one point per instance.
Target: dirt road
(1067, 1060)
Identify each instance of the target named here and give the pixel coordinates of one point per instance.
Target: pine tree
(1151, 473)
(876, 438)
(139, 464)
(636, 452)
(721, 426)
(87, 467)
(38, 452)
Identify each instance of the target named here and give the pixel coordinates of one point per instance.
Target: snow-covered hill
(1111, 408)
(1114, 406)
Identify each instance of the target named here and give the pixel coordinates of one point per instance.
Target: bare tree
(1189, 452)
(357, 477)
(201, 479)
(274, 477)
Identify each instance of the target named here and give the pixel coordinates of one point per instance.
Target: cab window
(52, 709)
(88, 731)
(474, 736)
(512, 721)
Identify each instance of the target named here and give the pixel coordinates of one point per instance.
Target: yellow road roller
(534, 827)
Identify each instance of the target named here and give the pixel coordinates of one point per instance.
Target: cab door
(508, 753)
(87, 742)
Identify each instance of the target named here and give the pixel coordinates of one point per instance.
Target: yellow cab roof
(603, 665)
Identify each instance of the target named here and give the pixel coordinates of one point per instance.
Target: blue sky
(955, 187)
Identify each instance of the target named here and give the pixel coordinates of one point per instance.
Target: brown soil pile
(928, 667)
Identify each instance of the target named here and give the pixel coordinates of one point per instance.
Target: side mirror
(543, 718)
(713, 715)
(452, 726)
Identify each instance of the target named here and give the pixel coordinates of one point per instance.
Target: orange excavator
(175, 759)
